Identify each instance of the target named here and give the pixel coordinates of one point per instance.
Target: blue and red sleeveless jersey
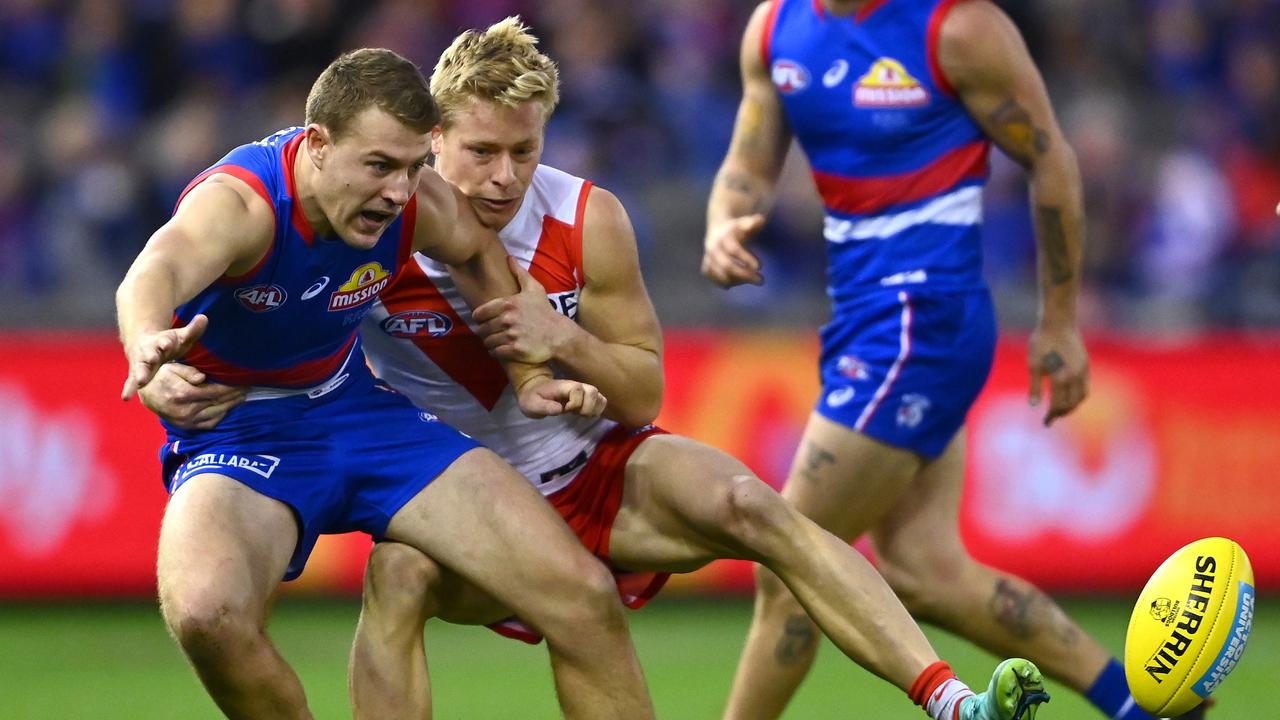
(896, 158)
(292, 320)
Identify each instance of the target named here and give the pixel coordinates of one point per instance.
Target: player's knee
(757, 518)
(208, 625)
(400, 581)
(594, 599)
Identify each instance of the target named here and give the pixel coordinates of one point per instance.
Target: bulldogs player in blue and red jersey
(260, 279)
(896, 103)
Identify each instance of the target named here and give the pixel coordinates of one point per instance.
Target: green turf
(113, 662)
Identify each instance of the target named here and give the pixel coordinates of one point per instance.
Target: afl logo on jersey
(790, 76)
(261, 298)
(416, 323)
(366, 282)
(888, 85)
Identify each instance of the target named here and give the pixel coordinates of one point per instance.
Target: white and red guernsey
(419, 339)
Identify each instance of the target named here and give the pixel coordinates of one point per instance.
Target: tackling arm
(743, 191)
(986, 61)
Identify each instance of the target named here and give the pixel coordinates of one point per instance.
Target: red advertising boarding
(1175, 443)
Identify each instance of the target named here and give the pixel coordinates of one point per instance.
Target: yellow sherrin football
(1190, 626)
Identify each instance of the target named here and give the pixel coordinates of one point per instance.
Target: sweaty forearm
(629, 376)
(1058, 211)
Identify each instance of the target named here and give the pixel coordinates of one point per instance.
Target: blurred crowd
(108, 108)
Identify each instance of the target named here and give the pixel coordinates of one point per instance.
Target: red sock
(929, 681)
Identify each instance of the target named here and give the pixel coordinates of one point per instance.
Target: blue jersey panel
(905, 366)
(346, 461)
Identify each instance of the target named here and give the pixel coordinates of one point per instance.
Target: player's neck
(304, 176)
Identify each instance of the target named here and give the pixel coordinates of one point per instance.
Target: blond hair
(501, 64)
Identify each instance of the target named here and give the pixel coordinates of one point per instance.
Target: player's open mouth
(373, 220)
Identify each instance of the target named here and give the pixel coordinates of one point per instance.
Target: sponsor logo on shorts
(852, 367)
(262, 465)
(911, 411)
(1165, 610)
(417, 323)
(888, 85)
(840, 397)
(425, 416)
(366, 282)
(835, 73)
(261, 298)
(790, 76)
(315, 289)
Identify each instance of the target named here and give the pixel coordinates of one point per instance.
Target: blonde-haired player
(640, 498)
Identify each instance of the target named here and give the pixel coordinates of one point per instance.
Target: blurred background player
(271, 259)
(895, 105)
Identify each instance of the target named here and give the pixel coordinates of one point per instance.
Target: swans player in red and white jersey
(645, 501)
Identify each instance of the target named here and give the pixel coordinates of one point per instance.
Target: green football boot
(1016, 689)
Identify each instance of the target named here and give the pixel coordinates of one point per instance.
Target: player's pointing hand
(151, 350)
(726, 261)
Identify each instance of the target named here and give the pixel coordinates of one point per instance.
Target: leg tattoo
(798, 639)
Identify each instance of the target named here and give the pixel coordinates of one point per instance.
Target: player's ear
(437, 139)
(317, 142)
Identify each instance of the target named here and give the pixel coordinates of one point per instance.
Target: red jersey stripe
(874, 194)
(297, 217)
(459, 353)
(931, 46)
(305, 374)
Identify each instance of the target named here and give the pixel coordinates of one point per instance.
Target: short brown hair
(371, 77)
(501, 64)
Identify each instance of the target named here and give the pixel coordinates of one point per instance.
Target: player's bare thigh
(484, 521)
(222, 539)
(675, 512)
(846, 481)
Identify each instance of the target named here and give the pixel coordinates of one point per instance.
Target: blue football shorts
(345, 461)
(904, 366)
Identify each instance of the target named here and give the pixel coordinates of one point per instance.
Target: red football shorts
(589, 505)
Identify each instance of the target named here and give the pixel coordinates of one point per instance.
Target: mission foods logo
(888, 85)
(366, 282)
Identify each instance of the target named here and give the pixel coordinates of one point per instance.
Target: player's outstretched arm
(984, 58)
(448, 231)
(743, 190)
(221, 227)
(616, 343)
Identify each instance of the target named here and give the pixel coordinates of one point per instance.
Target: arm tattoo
(798, 640)
(1053, 238)
(1052, 362)
(1013, 131)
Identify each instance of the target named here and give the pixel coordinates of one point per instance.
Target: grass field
(109, 662)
